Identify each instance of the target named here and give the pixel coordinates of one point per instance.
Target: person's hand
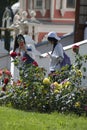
(49, 54)
(44, 55)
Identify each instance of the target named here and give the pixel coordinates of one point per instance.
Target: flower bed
(60, 91)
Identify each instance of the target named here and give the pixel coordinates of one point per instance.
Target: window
(83, 12)
(67, 5)
(70, 4)
(38, 4)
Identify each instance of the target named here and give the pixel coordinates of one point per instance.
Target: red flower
(3, 88)
(35, 63)
(6, 80)
(18, 54)
(13, 54)
(24, 59)
(18, 82)
(75, 48)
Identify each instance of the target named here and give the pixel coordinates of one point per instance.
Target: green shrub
(60, 91)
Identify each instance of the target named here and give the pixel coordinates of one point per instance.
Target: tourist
(56, 56)
(24, 49)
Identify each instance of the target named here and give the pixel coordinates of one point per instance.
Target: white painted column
(63, 7)
(30, 4)
(52, 9)
(22, 5)
(43, 7)
(64, 4)
(20, 1)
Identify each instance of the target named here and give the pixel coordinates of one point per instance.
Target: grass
(11, 119)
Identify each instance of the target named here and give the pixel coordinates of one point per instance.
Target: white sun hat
(53, 35)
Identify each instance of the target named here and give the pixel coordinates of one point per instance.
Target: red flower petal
(3, 88)
(75, 48)
(24, 59)
(13, 54)
(6, 80)
(35, 63)
(18, 54)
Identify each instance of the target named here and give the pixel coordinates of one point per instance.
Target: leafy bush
(60, 91)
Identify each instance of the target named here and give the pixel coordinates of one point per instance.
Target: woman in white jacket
(56, 55)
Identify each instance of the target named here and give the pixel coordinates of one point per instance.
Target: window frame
(68, 5)
(70, 8)
(38, 7)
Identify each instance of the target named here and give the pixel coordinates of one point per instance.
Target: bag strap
(53, 47)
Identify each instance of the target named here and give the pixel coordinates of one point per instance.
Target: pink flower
(1, 72)
(35, 63)
(18, 82)
(85, 108)
(75, 48)
(13, 54)
(7, 72)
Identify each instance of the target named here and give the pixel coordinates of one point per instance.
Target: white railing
(68, 49)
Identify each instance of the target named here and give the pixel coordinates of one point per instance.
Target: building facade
(38, 17)
(53, 15)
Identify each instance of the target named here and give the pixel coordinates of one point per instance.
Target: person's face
(21, 43)
(51, 41)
